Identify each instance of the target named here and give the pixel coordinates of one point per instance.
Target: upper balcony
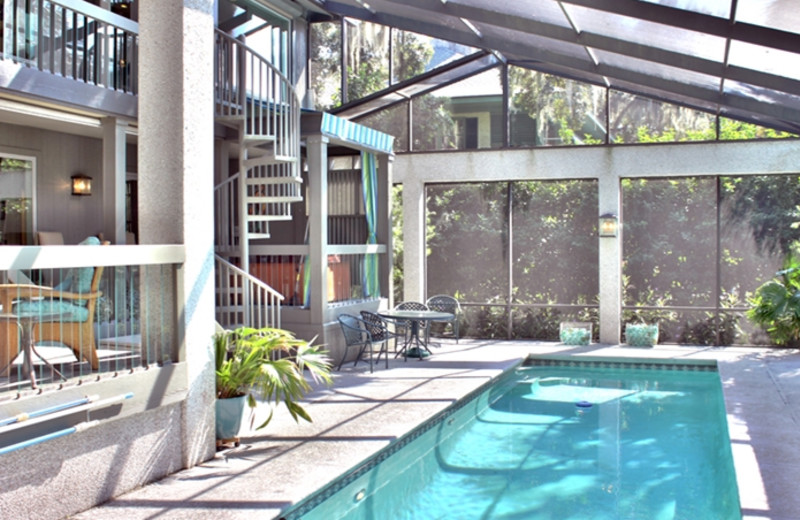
(69, 52)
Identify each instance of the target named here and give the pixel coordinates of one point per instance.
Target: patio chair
(444, 303)
(356, 334)
(72, 307)
(379, 329)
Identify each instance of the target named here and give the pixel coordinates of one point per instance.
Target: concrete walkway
(364, 412)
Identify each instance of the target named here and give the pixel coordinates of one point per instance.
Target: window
(17, 215)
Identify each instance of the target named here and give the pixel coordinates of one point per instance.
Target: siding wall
(58, 157)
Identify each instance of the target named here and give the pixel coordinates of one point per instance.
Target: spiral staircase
(260, 104)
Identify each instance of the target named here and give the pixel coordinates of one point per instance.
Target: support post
(176, 176)
(317, 148)
(114, 173)
(414, 241)
(610, 262)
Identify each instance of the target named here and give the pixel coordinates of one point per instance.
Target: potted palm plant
(265, 364)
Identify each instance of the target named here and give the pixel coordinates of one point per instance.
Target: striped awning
(355, 135)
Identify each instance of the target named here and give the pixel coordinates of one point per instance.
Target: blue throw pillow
(79, 280)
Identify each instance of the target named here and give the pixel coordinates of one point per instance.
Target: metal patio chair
(378, 327)
(444, 303)
(356, 334)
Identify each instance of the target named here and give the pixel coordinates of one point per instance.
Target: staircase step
(256, 236)
(256, 181)
(274, 199)
(257, 139)
(229, 120)
(268, 218)
(264, 160)
(267, 158)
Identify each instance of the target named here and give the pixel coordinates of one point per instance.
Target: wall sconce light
(81, 184)
(608, 225)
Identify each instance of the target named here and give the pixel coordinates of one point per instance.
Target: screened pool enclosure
(485, 101)
(522, 256)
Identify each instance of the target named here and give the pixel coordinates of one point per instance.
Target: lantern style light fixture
(608, 225)
(81, 184)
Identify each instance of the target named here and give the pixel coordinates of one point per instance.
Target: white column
(413, 241)
(317, 149)
(176, 174)
(114, 170)
(610, 262)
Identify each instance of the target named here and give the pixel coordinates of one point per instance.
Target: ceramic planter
(575, 333)
(229, 417)
(640, 335)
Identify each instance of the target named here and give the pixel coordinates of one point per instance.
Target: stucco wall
(73, 473)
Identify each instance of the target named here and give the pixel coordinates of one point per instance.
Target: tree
(325, 63)
(768, 205)
(562, 109)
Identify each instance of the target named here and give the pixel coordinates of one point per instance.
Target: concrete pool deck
(362, 413)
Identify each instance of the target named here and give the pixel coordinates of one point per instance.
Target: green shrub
(776, 304)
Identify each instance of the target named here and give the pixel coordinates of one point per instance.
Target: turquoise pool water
(596, 441)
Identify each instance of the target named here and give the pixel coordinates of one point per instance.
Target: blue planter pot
(229, 417)
(641, 335)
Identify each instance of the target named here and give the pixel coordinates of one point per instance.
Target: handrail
(74, 40)
(247, 85)
(225, 211)
(92, 403)
(243, 299)
(59, 257)
(86, 405)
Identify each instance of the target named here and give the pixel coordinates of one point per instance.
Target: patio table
(415, 317)
(26, 322)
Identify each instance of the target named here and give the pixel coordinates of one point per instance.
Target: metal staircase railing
(244, 300)
(253, 96)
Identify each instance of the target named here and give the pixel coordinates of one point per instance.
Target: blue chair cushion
(71, 313)
(79, 280)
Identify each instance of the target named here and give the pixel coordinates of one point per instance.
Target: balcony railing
(77, 322)
(72, 39)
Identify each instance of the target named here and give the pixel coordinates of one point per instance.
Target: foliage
(410, 54)
(267, 364)
(733, 130)
(555, 246)
(776, 303)
(325, 63)
(367, 77)
(768, 205)
(9, 164)
(559, 107)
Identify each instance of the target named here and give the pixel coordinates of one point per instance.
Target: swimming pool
(556, 440)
